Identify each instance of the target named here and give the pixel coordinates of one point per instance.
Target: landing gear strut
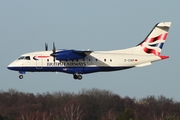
(77, 76)
(20, 76)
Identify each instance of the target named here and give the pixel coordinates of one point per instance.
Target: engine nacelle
(69, 55)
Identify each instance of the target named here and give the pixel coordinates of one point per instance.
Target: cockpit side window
(27, 58)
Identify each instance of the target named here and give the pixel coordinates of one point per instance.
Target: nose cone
(12, 66)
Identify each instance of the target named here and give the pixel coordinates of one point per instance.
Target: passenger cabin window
(104, 60)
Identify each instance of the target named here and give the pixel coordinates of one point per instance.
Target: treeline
(93, 104)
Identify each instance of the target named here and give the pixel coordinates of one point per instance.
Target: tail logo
(154, 45)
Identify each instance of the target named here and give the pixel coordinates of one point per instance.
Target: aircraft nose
(15, 65)
(12, 66)
(9, 67)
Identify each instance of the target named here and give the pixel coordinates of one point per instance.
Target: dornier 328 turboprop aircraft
(78, 62)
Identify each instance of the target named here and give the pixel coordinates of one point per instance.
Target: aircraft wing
(71, 54)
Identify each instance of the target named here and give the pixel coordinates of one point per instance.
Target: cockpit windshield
(24, 58)
(21, 58)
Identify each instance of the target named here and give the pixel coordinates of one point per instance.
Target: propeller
(46, 46)
(53, 54)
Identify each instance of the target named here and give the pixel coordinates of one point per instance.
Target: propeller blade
(46, 46)
(54, 59)
(53, 54)
(54, 48)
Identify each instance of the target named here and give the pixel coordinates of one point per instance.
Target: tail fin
(154, 42)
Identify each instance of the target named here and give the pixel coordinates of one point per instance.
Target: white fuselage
(97, 61)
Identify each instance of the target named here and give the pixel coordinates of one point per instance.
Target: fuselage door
(39, 61)
(89, 60)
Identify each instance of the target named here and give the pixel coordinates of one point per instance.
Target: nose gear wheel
(77, 76)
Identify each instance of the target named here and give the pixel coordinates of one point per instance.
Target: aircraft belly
(70, 70)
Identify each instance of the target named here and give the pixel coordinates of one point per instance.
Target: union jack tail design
(154, 42)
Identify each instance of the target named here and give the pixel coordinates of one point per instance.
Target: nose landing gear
(21, 76)
(77, 76)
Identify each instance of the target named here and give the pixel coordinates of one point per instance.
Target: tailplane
(155, 40)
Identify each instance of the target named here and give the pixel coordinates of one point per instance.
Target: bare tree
(72, 111)
(110, 115)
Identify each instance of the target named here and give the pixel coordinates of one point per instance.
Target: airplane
(78, 62)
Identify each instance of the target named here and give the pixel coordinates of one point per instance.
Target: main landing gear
(20, 76)
(77, 76)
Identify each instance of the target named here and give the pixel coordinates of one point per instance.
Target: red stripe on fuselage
(43, 56)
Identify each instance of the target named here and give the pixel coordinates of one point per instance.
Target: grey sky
(97, 25)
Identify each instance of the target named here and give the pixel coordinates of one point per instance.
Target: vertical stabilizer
(155, 40)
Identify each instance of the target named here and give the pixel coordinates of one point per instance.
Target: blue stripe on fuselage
(71, 70)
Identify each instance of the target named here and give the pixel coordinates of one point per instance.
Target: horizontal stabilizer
(164, 57)
(143, 64)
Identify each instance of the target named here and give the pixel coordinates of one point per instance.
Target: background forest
(93, 104)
